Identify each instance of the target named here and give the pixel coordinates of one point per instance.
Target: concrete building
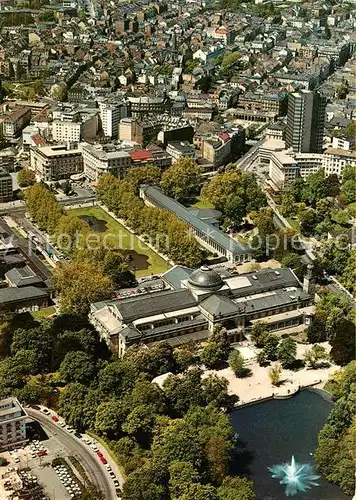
(74, 131)
(147, 105)
(193, 302)
(208, 235)
(335, 160)
(275, 103)
(153, 156)
(12, 424)
(305, 122)
(180, 149)
(52, 163)
(7, 159)
(13, 121)
(6, 187)
(111, 113)
(105, 159)
(223, 147)
(283, 170)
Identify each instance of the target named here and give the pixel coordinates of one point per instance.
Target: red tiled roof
(224, 136)
(38, 140)
(142, 154)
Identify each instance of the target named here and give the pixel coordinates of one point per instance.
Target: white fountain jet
(297, 478)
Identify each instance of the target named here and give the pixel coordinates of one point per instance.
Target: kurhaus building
(189, 303)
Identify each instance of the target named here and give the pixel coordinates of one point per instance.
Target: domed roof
(205, 278)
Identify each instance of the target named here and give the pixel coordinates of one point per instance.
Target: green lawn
(199, 203)
(144, 260)
(294, 223)
(43, 313)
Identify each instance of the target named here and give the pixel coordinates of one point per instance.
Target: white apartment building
(180, 149)
(283, 169)
(12, 424)
(309, 163)
(335, 160)
(104, 159)
(52, 163)
(111, 114)
(66, 131)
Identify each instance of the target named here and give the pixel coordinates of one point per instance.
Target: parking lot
(62, 441)
(37, 458)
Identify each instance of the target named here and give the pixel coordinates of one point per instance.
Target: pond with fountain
(275, 442)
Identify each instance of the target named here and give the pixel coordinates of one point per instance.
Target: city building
(23, 276)
(209, 236)
(12, 121)
(105, 159)
(28, 298)
(6, 188)
(7, 159)
(275, 103)
(335, 160)
(180, 149)
(193, 302)
(111, 112)
(52, 163)
(12, 424)
(305, 122)
(147, 105)
(152, 156)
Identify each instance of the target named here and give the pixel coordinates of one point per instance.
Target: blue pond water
(270, 433)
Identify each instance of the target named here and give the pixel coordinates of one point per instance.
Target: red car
(55, 419)
(42, 453)
(99, 454)
(103, 460)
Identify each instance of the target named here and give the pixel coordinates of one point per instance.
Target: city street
(75, 447)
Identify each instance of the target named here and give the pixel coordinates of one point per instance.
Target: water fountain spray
(297, 478)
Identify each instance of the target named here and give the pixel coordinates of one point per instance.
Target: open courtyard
(141, 259)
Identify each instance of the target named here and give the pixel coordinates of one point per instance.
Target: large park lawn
(144, 260)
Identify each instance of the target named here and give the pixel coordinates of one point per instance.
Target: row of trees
(335, 455)
(234, 193)
(93, 273)
(165, 231)
(174, 442)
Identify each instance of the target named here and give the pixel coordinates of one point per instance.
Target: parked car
(42, 453)
(103, 460)
(99, 454)
(54, 418)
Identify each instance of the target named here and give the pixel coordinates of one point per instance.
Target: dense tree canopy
(26, 177)
(182, 180)
(335, 455)
(234, 193)
(80, 284)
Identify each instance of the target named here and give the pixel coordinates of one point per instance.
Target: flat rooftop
(53, 151)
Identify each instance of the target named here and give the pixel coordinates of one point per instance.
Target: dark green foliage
(217, 349)
(335, 454)
(286, 352)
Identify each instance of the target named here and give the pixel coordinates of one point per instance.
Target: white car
(16, 460)
(94, 448)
